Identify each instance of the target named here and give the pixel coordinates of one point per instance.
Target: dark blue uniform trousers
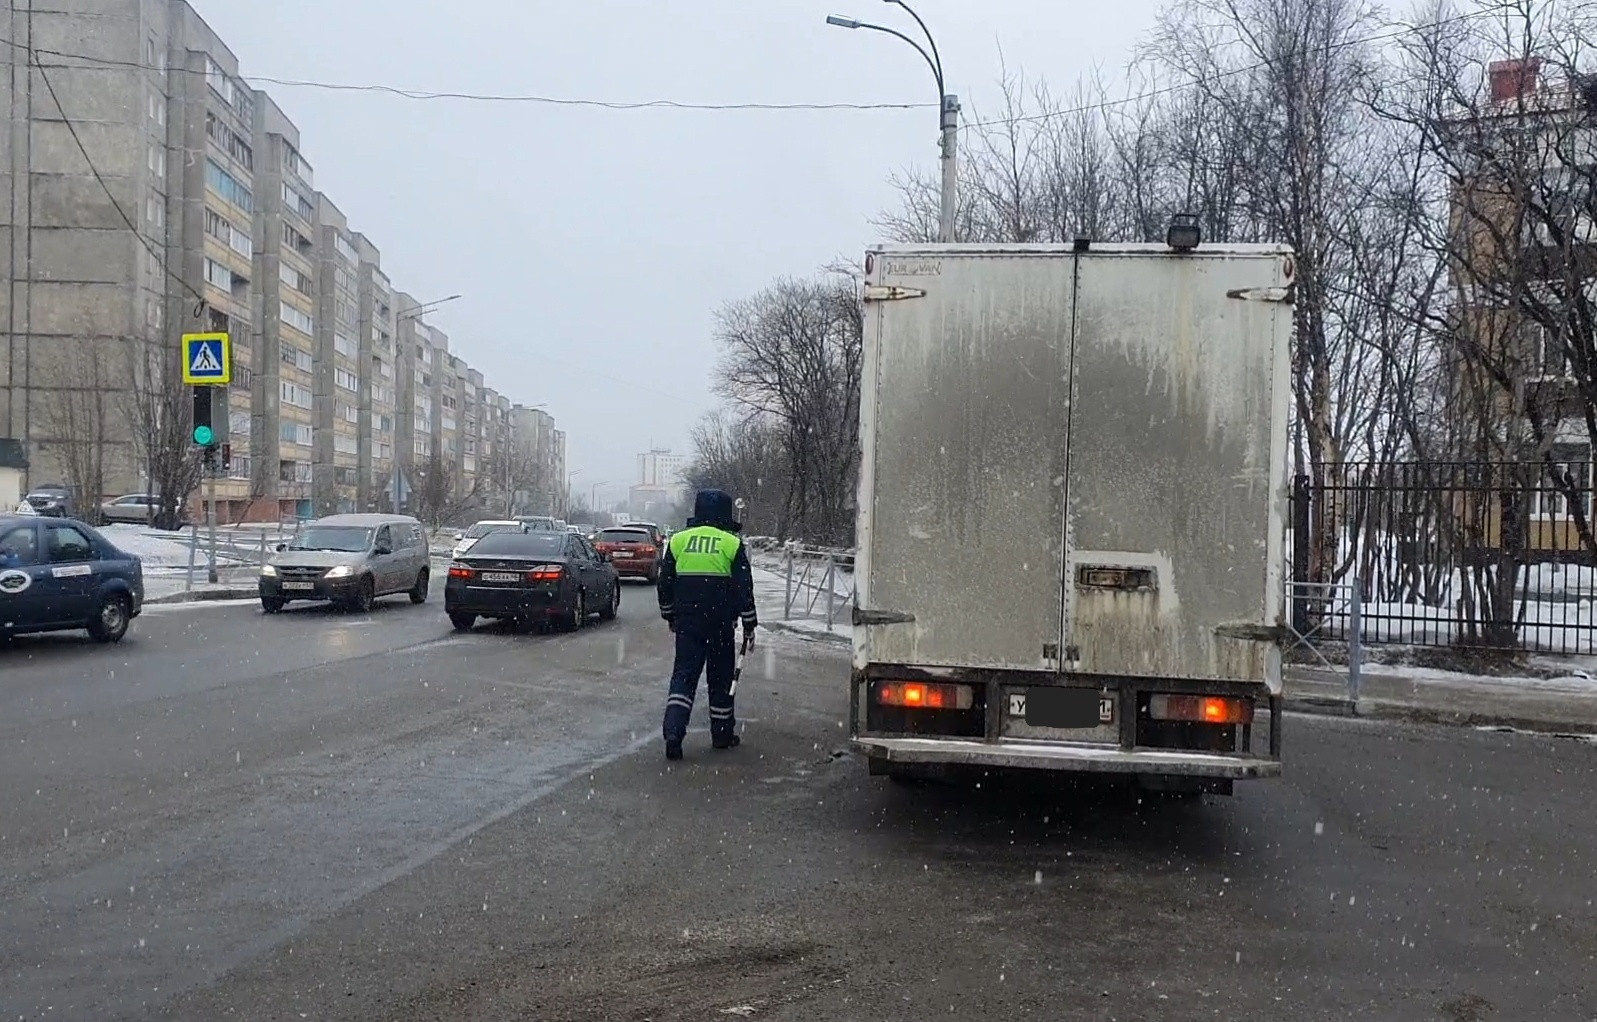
(706, 646)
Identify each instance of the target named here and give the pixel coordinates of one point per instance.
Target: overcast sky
(592, 246)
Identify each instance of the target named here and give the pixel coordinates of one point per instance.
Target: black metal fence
(1487, 555)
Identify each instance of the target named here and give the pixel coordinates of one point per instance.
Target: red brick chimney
(1513, 79)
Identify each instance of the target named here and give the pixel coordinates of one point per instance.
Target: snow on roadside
(156, 550)
(770, 597)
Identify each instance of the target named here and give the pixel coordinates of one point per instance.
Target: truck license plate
(1062, 707)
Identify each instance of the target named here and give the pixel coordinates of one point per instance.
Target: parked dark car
(531, 576)
(52, 500)
(58, 574)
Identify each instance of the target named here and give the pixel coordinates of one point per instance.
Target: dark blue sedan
(58, 574)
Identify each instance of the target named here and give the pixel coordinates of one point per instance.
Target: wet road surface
(329, 816)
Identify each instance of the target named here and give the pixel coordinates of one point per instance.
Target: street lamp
(947, 104)
(593, 496)
(422, 310)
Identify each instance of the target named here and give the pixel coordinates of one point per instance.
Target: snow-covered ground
(770, 596)
(155, 549)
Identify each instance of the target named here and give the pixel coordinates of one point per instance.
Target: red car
(632, 551)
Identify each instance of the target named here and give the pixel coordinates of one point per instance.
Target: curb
(783, 626)
(1375, 709)
(203, 596)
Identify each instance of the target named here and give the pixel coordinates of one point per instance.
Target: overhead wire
(159, 257)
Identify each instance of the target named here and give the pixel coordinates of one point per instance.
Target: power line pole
(950, 196)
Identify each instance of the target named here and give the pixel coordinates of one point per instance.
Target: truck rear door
(966, 383)
(1175, 465)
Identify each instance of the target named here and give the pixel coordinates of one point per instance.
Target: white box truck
(1072, 504)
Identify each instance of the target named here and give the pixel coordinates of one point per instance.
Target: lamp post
(948, 107)
(593, 496)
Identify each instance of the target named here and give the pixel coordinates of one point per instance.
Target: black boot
(728, 742)
(673, 750)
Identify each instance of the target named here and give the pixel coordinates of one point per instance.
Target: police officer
(705, 586)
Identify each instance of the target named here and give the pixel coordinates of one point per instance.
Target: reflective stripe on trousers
(707, 647)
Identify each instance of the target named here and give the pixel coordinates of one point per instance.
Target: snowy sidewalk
(770, 598)
(1565, 704)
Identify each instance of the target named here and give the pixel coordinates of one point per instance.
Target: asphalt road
(328, 816)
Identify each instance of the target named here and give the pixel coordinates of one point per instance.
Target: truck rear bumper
(1056, 756)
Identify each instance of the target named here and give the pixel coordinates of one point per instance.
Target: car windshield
(482, 529)
(623, 536)
(521, 544)
(343, 538)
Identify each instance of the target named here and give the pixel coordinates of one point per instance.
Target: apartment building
(190, 206)
(378, 380)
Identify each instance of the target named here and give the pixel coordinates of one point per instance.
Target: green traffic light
(203, 435)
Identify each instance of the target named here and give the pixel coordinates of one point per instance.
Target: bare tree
(516, 473)
(791, 356)
(77, 418)
(439, 495)
(159, 409)
(745, 457)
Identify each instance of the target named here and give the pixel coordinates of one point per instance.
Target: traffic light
(227, 457)
(204, 428)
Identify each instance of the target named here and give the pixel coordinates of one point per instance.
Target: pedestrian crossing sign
(207, 360)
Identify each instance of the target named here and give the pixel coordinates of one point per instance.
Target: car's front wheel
(418, 592)
(110, 623)
(613, 607)
(361, 600)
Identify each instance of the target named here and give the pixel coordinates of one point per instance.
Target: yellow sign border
(227, 360)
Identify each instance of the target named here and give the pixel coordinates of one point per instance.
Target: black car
(58, 574)
(531, 576)
(52, 500)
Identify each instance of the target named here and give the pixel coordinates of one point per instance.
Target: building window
(241, 467)
(1549, 356)
(218, 275)
(383, 395)
(422, 445)
(345, 346)
(157, 161)
(385, 423)
(1570, 471)
(295, 395)
(349, 413)
(345, 443)
(295, 433)
(238, 423)
(158, 108)
(449, 422)
(295, 240)
(228, 187)
(294, 279)
(295, 164)
(229, 141)
(346, 250)
(345, 476)
(384, 369)
(294, 471)
(299, 358)
(223, 230)
(383, 452)
(155, 211)
(298, 320)
(344, 312)
(345, 379)
(298, 203)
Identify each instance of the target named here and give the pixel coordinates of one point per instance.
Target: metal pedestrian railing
(819, 585)
(1312, 607)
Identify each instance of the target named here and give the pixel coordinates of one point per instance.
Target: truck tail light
(460, 571)
(1202, 709)
(924, 695)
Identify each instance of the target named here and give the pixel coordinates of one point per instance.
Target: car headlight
(268, 571)
(342, 571)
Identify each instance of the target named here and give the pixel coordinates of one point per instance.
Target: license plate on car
(500, 576)
(1062, 707)
(298, 586)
